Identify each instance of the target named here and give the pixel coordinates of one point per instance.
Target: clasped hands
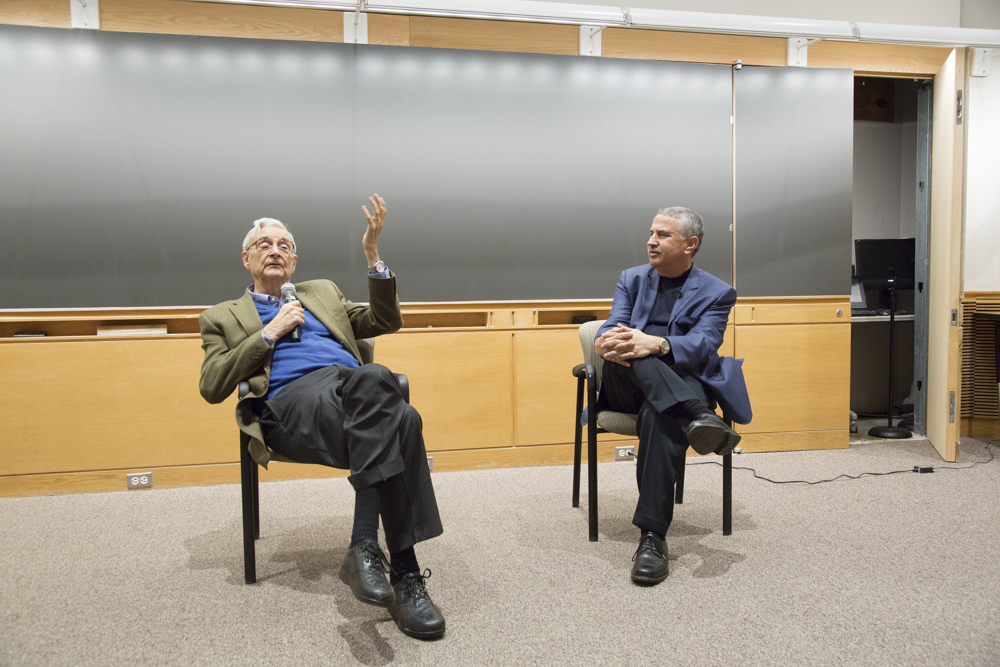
(623, 343)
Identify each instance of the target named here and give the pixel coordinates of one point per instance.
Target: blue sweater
(290, 361)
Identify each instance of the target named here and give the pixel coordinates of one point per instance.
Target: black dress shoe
(650, 560)
(364, 571)
(730, 445)
(413, 610)
(708, 434)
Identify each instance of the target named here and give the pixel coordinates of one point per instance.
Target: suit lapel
(246, 314)
(688, 293)
(646, 298)
(317, 306)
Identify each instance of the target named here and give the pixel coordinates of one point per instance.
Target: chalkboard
(794, 166)
(134, 164)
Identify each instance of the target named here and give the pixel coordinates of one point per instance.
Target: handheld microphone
(288, 294)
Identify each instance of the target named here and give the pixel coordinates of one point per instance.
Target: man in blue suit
(662, 337)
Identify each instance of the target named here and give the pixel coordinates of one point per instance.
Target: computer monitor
(858, 299)
(879, 260)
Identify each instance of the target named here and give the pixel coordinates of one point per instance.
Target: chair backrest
(366, 348)
(588, 332)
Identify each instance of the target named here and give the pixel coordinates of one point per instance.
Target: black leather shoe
(650, 560)
(364, 571)
(413, 610)
(708, 434)
(731, 442)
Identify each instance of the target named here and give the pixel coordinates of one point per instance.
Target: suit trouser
(357, 419)
(655, 391)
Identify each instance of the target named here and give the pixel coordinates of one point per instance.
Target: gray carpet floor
(891, 570)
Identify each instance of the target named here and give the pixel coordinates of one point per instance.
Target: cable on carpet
(917, 469)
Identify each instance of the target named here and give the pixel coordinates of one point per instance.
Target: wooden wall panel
(39, 13)
(108, 405)
(222, 20)
(798, 376)
(546, 388)
(692, 47)
(494, 35)
(460, 382)
(794, 441)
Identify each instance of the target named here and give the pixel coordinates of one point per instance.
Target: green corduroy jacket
(235, 350)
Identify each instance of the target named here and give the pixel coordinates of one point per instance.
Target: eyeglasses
(264, 246)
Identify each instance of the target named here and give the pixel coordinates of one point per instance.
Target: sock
(693, 408)
(367, 503)
(400, 563)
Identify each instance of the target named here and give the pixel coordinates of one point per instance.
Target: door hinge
(958, 109)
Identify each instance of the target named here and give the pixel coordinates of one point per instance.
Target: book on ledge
(132, 330)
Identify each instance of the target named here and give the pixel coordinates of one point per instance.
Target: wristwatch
(664, 346)
(378, 268)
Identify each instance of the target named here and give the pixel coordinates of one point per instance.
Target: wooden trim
(800, 440)
(979, 427)
(838, 312)
(38, 13)
(389, 29)
(223, 20)
(265, 22)
(494, 35)
(879, 59)
(101, 481)
(692, 47)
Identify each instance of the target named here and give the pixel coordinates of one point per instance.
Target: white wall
(940, 13)
(982, 213)
(877, 152)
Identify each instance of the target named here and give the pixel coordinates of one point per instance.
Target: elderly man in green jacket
(311, 400)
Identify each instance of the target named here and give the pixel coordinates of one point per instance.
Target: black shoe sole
(706, 438)
(734, 440)
(375, 602)
(417, 634)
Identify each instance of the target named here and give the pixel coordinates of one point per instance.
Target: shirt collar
(264, 299)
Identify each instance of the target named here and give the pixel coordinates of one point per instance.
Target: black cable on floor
(917, 469)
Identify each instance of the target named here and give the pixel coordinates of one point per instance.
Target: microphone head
(288, 290)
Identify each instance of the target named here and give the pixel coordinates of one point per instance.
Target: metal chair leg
(247, 484)
(578, 442)
(255, 471)
(679, 484)
(592, 451)
(727, 494)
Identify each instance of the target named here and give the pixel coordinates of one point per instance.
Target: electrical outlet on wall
(139, 480)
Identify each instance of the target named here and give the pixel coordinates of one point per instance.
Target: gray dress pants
(356, 419)
(655, 391)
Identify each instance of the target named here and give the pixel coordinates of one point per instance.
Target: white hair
(260, 224)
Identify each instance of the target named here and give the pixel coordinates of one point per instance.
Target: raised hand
(375, 222)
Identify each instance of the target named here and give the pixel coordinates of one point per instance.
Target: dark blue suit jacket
(695, 331)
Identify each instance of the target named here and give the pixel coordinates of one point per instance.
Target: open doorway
(891, 193)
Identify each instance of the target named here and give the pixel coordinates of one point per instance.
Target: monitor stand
(890, 431)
